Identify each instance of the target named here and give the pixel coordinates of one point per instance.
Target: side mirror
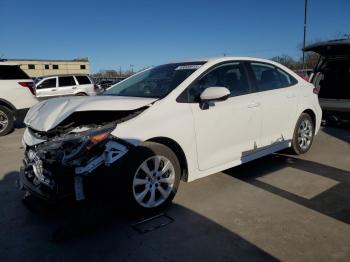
(215, 93)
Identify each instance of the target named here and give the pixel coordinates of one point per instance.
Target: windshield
(155, 82)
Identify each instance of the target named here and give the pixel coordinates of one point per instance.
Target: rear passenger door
(47, 88)
(277, 92)
(66, 85)
(85, 85)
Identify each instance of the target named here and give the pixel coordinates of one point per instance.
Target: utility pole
(304, 41)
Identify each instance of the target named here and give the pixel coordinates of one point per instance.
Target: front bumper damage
(48, 177)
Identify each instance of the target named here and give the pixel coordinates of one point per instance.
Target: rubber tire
(295, 148)
(131, 164)
(81, 94)
(11, 120)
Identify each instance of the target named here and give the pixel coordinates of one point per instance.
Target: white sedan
(178, 121)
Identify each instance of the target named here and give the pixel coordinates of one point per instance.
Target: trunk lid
(330, 48)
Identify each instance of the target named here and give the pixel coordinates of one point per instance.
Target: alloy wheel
(305, 134)
(4, 121)
(153, 181)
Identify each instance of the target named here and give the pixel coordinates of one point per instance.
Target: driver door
(227, 130)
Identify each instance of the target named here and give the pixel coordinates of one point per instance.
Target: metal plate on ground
(152, 223)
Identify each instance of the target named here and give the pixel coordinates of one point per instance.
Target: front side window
(66, 81)
(48, 83)
(83, 80)
(268, 77)
(232, 76)
(156, 82)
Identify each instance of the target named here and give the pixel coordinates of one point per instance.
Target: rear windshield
(9, 72)
(83, 80)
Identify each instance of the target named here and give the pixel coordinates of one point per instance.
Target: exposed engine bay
(74, 149)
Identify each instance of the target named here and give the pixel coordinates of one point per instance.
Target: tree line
(311, 60)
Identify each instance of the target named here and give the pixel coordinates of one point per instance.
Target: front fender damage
(46, 171)
(59, 160)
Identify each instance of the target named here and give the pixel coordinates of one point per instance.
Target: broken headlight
(69, 147)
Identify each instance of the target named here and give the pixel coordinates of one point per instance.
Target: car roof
(46, 76)
(219, 59)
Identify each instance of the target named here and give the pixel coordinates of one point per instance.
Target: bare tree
(286, 60)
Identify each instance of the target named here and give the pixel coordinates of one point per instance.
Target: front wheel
(152, 177)
(303, 134)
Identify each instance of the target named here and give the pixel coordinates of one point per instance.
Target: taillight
(29, 85)
(316, 90)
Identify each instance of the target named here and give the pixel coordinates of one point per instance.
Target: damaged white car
(178, 121)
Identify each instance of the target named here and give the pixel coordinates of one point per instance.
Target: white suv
(175, 121)
(16, 96)
(65, 85)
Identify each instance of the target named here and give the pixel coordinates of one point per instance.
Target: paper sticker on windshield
(188, 67)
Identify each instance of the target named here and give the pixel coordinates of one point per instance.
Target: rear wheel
(81, 94)
(303, 134)
(152, 177)
(6, 120)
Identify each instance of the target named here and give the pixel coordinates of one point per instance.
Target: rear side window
(66, 81)
(8, 72)
(48, 83)
(269, 78)
(83, 80)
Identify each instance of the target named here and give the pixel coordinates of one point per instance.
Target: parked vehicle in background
(332, 78)
(17, 94)
(304, 73)
(176, 121)
(105, 83)
(65, 85)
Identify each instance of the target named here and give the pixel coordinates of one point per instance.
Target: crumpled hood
(48, 114)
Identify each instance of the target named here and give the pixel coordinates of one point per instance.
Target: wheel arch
(312, 114)
(176, 148)
(81, 93)
(7, 104)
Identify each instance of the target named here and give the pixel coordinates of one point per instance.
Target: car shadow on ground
(333, 202)
(341, 132)
(97, 232)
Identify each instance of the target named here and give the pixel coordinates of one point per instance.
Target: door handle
(254, 104)
(74, 87)
(53, 89)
